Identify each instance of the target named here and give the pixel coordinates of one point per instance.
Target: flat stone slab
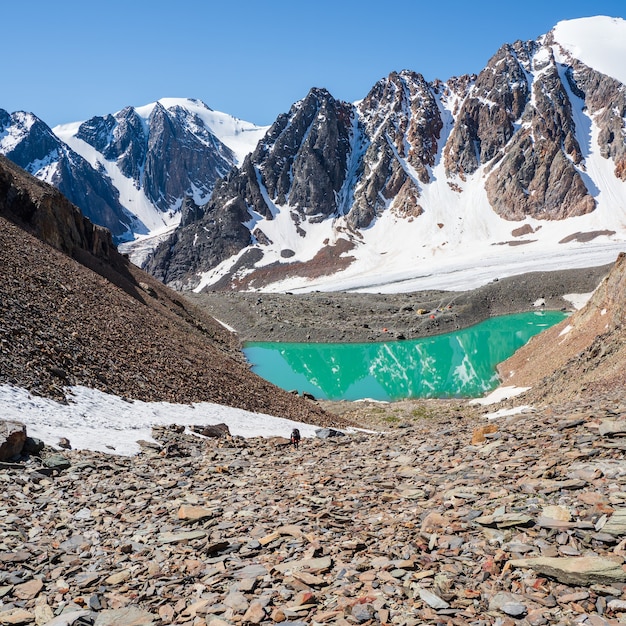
(616, 525)
(314, 565)
(612, 428)
(179, 537)
(576, 570)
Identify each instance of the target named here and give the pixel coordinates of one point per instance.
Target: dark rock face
(538, 175)
(37, 150)
(179, 161)
(303, 157)
(598, 90)
(190, 212)
(485, 121)
(218, 232)
(118, 138)
(51, 217)
(305, 152)
(170, 156)
(402, 127)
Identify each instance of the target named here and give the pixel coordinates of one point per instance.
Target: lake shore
(369, 317)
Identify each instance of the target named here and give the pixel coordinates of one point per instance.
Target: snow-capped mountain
(148, 161)
(524, 161)
(31, 144)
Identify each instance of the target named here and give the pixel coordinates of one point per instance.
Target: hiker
(295, 438)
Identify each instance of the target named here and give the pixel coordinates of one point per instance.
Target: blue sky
(70, 60)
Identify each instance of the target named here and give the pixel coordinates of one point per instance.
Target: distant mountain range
(132, 171)
(525, 160)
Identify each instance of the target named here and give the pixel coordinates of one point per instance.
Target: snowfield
(94, 420)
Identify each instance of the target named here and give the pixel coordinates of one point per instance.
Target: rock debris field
(369, 317)
(446, 517)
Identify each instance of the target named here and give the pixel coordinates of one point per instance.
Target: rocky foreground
(445, 518)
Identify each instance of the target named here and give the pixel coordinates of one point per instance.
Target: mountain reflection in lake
(458, 364)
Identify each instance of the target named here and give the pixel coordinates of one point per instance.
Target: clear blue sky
(70, 60)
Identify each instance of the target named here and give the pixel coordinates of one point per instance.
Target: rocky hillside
(582, 356)
(445, 519)
(73, 311)
(417, 170)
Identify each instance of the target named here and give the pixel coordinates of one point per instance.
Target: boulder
(326, 433)
(33, 446)
(214, 430)
(12, 440)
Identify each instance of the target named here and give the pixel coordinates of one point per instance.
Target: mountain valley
(422, 208)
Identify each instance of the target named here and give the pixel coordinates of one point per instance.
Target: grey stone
(432, 599)
(129, 616)
(616, 525)
(57, 462)
(576, 570)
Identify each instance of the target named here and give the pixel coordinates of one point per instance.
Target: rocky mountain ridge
(330, 181)
(415, 173)
(28, 142)
(131, 171)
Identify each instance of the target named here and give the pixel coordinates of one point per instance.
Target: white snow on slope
(459, 242)
(11, 137)
(241, 137)
(133, 199)
(599, 42)
(93, 420)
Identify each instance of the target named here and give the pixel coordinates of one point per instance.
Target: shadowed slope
(97, 321)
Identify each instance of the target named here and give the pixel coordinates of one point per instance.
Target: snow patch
(565, 330)
(499, 394)
(225, 325)
(508, 412)
(93, 420)
(577, 300)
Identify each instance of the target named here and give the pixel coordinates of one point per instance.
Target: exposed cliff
(476, 161)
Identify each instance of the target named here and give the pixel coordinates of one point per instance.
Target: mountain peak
(598, 42)
(522, 160)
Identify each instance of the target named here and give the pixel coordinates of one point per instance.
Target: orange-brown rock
(478, 436)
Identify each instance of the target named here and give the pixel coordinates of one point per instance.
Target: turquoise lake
(460, 364)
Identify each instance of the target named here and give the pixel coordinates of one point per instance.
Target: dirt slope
(75, 312)
(583, 355)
